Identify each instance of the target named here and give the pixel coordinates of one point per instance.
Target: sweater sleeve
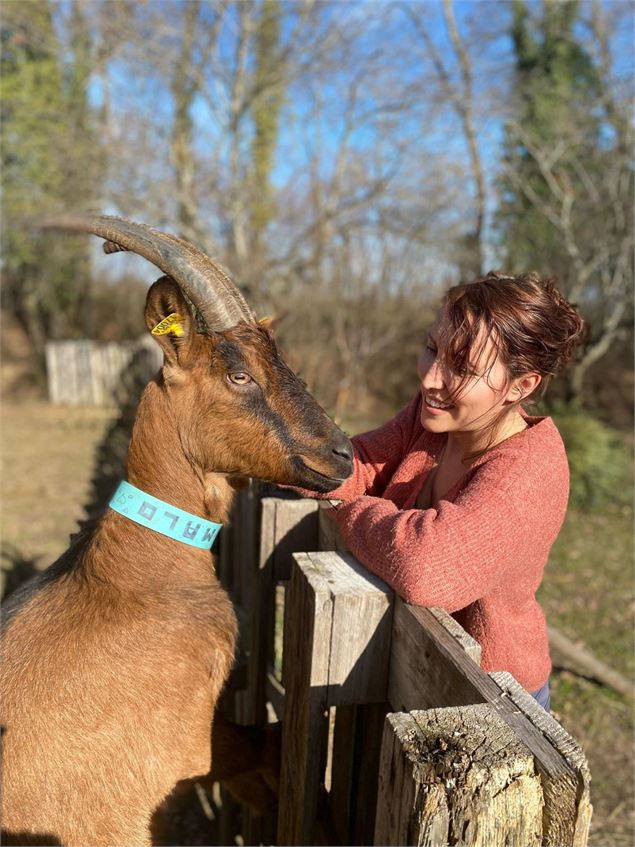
(377, 455)
(448, 556)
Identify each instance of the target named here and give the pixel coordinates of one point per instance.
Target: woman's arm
(452, 555)
(377, 455)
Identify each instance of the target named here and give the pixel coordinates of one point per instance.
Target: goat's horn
(205, 283)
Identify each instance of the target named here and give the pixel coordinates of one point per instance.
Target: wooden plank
(286, 526)
(295, 532)
(429, 666)
(469, 645)
(341, 615)
(474, 782)
(566, 820)
(397, 783)
(245, 519)
(262, 614)
(342, 772)
(88, 372)
(370, 724)
(329, 535)
(308, 624)
(360, 637)
(355, 770)
(50, 352)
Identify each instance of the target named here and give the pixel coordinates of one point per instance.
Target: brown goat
(113, 659)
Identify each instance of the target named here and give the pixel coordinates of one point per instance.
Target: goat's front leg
(246, 759)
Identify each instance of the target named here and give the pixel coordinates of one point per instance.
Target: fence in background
(91, 373)
(392, 733)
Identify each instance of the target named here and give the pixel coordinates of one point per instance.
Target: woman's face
(483, 394)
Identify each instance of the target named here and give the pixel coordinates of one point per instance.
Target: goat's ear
(169, 319)
(272, 322)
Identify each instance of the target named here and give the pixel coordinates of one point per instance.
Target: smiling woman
(457, 501)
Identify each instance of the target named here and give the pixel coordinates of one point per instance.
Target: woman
(456, 502)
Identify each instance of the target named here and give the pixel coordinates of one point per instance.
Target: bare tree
(455, 76)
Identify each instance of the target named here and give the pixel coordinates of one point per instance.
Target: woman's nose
(432, 377)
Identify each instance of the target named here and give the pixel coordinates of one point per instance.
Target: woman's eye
(239, 378)
(431, 349)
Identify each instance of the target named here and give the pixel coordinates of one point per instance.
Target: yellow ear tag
(266, 321)
(170, 324)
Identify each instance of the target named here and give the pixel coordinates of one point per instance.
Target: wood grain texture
(337, 637)
(308, 623)
(568, 809)
(356, 749)
(296, 530)
(429, 664)
(474, 781)
(329, 535)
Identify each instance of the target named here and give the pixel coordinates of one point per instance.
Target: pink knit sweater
(480, 554)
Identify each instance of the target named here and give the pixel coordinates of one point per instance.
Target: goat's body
(109, 680)
(122, 696)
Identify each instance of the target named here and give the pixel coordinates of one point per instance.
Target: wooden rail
(392, 733)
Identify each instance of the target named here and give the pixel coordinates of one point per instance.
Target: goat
(113, 659)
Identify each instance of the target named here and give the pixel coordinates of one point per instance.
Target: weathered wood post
(417, 749)
(337, 641)
(457, 776)
(427, 670)
(286, 526)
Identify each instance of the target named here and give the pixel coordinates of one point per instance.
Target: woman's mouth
(435, 406)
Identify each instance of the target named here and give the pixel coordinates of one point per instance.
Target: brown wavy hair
(533, 327)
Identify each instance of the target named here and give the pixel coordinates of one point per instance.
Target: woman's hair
(533, 328)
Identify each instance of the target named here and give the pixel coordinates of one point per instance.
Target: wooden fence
(392, 733)
(91, 373)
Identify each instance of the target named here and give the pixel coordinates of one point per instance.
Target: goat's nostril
(345, 451)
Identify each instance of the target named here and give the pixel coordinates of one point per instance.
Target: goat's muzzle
(326, 469)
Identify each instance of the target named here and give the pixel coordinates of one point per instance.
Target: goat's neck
(157, 464)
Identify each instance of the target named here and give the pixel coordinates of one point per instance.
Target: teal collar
(159, 516)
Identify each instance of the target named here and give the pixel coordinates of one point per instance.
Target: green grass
(589, 594)
(588, 589)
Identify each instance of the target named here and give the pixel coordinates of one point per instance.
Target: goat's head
(238, 407)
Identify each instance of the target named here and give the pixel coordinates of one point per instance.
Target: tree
(48, 156)
(266, 108)
(568, 175)
(459, 94)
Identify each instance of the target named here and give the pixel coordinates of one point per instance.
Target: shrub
(599, 459)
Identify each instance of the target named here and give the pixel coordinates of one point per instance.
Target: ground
(48, 455)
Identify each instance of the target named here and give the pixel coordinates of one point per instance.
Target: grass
(588, 593)
(588, 587)
(47, 459)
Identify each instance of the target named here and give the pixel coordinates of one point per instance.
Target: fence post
(458, 775)
(286, 526)
(337, 640)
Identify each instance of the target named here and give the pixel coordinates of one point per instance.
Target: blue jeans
(542, 696)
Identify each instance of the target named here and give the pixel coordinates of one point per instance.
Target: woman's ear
(523, 386)
(169, 320)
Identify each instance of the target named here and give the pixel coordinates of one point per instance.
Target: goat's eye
(239, 378)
